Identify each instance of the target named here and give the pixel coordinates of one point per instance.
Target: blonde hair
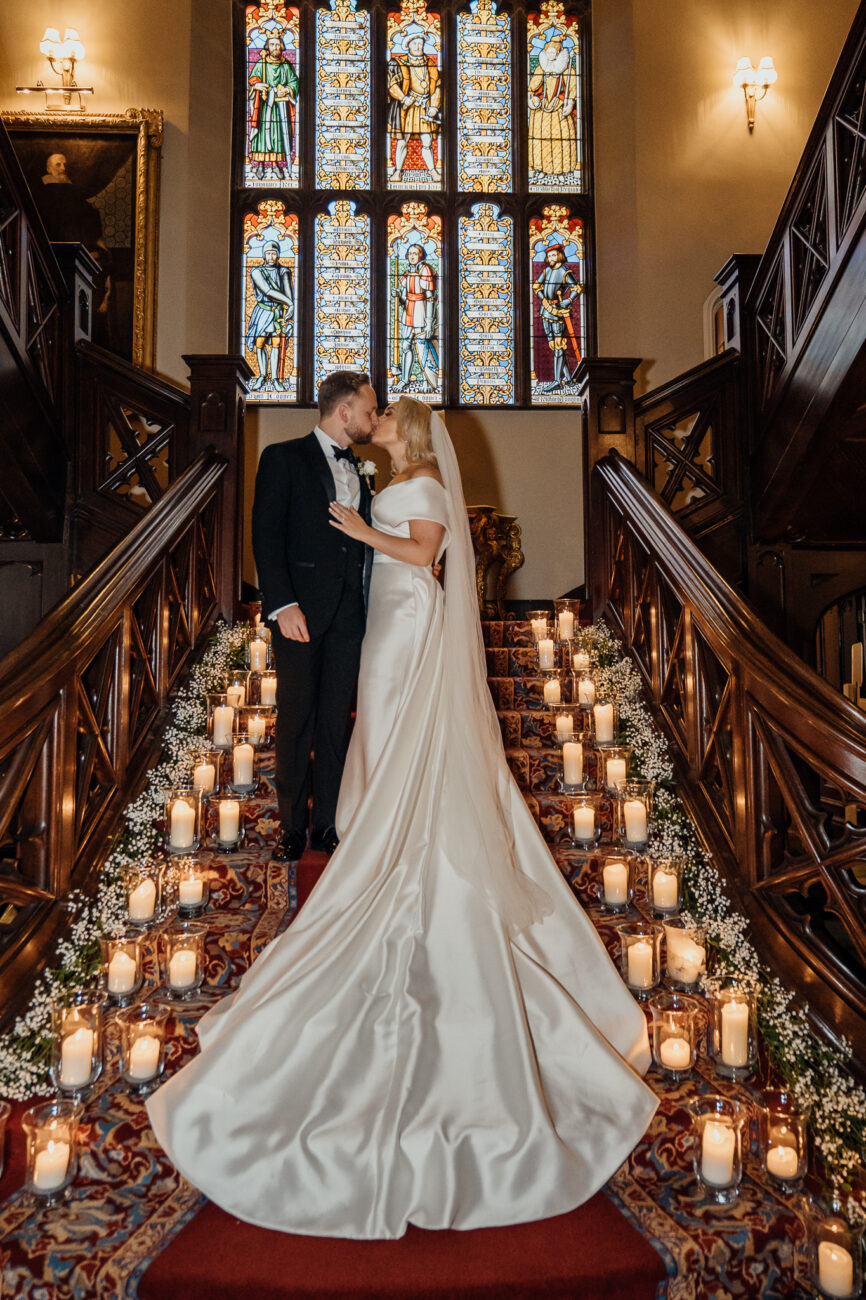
(413, 426)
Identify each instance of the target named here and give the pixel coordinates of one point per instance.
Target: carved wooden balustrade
(772, 760)
(83, 699)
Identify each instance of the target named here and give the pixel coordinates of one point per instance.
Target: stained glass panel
(273, 96)
(343, 97)
(269, 276)
(342, 306)
(483, 98)
(414, 243)
(414, 98)
(486, 307)
(555, 135)
(557, 318)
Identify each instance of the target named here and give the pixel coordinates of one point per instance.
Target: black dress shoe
(290, 847)
(325, 841)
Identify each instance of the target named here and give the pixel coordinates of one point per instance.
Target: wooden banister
(772, 759)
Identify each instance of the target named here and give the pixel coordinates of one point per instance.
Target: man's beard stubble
(359, 437)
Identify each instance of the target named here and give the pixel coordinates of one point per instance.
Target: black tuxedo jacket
(299, 556)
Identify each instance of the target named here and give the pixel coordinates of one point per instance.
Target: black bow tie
(344, 453)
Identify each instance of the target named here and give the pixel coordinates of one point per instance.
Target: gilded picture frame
(95, 180)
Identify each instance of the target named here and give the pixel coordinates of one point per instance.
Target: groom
(313, 582)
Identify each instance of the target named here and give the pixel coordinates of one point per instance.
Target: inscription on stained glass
(342, 307)
(484, 98)
(486, 307)
(343, 97)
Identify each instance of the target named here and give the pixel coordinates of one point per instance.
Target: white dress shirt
(346, 481)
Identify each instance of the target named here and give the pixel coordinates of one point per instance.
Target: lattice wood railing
(82, 701)
(773, 760)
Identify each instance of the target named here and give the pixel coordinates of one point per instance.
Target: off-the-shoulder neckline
(427, 478)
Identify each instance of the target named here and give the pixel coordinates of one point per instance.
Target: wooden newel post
(217, 401)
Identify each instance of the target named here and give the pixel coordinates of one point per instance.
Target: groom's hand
(292, 623)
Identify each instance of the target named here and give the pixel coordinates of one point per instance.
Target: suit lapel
(319, 465)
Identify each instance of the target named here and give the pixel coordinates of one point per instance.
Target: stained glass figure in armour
(556, 251)
(270, 265)
(414, 255)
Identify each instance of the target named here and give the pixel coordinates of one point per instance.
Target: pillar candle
(640, 964)
(76, 1057)
(735, 1034)
(580, 661)
(144, 1057)
(586, 691)
(675, 1053)
(835, 1269)
(539, 628)
(204, 777)
(717, 1154)
(552, 691)
(572, 762)
(545, 654)
(566, 625)
(584, 823)
(230, 818)
(121, 973)
(182, 969)
(615, 772)
(783, 1161)
(190, 891)
(269, 692)
(666, 891)
(614, 878)
(634, 816)
(256, 727)
(51, 1165)
(564, 724)
(242, 760)
(258, 655)
(142, 900)
(235, 696)
(182, 835)
(223, 723)
(603, 723)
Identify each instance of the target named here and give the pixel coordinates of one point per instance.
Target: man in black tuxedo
(313, 581)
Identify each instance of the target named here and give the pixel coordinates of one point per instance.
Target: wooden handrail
(772, 759)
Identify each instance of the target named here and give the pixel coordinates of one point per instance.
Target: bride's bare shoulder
(428, 471)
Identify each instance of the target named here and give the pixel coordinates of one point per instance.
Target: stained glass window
(554, 123)
(414, 307)
(557, 317)
(342, 290)
(413, 88)
(486, 307)
(273, 96)
(483, 98)
(343, 97)
(269, 277)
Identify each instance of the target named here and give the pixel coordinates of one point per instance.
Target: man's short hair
(338, 387)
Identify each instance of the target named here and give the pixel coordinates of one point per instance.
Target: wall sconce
(62, 55)
(755, 82)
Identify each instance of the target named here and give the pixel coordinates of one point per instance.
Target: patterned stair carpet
(134, 1228)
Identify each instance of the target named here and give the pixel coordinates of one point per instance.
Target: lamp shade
(767, 74)
(744, 74)
(50, 43)
(72, 47)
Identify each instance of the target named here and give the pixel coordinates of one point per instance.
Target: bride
(440, 1037)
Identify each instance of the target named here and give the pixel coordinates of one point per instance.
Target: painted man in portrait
(271, 322)
(552, 111)
(557, 287)
(414, 98)
(416, 294)
(273, 96)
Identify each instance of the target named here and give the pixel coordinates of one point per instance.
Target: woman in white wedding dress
(440, 1037)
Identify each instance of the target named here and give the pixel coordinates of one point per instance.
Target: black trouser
(316, 682)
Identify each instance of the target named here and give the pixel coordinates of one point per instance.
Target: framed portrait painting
(95, 181)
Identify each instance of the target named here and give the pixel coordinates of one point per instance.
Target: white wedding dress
(439, 1038)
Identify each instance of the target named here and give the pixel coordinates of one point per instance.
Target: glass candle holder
(76, 1044)
(183, 955)
(258, 651)
(546, 651)
(674, 1030)
(567, 720)
(267, 690)
(640, 956)
(207, 771)
(243, 770)
(539, 624)
(51, 1129)
(226, 817)
(142, 1045)
(566, 614)
(634, 810)
(580, 661)
(192, 889)
(235, 687)
(783, 1139)
(606, 720)
(613, 767)
(122, 971)
(573, 749)
(583, 690)
(144, 893)
(716, 1139)
(220, 720)
(835, 1252)
(616, 882)
(664, 885)
(685, 954)
(732, 1031)
(585, 822)
(252, 722)
(551, 690)
(182, 820)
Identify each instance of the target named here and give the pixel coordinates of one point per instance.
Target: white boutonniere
(367, 470)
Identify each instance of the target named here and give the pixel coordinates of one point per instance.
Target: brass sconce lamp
(62, 55)
(755, 82)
